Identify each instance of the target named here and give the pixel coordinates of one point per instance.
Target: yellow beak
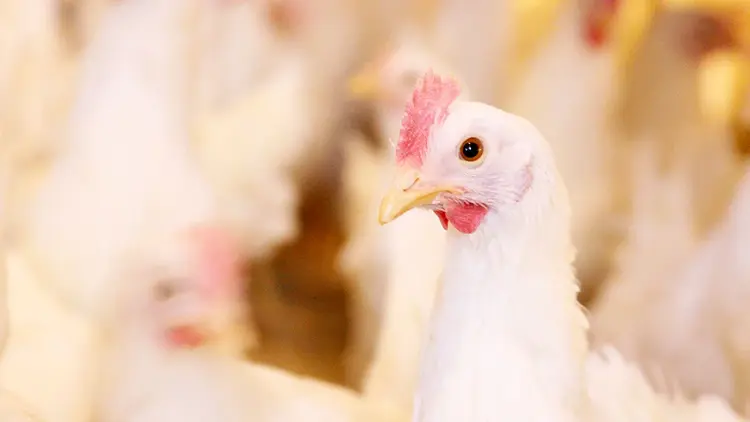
(712, 5)
(629, 28)
(405, 195)
(535, 21)
(723, 83)
(364, 85)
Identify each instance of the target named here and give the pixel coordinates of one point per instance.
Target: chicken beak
(364, 85)
(535, 22)
(702, 4)
(405, 195)
(629, 27)
(723, 84)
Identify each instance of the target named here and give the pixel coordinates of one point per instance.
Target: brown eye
(409, 79)
(471, 149)
(164, 290)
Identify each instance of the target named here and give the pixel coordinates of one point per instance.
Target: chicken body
(194, 386)
(13, 410)
(125, 178)
(48, 359)
(679, 160)
(279, 127)
(149, 377)
(699, 306)
(242, 147)
(129, 114)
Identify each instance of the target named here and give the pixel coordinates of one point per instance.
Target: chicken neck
(507, 338)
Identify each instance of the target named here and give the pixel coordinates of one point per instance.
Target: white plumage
(508, 338)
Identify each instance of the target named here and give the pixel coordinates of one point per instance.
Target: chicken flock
(580, 167)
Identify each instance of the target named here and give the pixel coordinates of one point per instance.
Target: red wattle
(443, 219)
(185, 337)
(594, 35)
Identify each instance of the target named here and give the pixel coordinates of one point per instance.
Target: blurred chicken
(159, 365)
(124, 178)
(694, 339)
(643, 285)
(35, 82)
(249, 158)
(721, 271)
(650, 313)
(279, 130)
(235, 50)
(478, 39)
(662, 102)
(12, 409)
(48, 359)
(37, 76)
(30, 70)
(3, 258)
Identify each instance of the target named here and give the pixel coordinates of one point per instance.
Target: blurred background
(289, 110)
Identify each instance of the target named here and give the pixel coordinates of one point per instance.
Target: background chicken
(673, 173)
(151, 342)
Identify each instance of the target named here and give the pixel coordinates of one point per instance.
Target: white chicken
(12, 409)
(241, 151)
(125, 178)
(661, 102)
(652, 312)
(47, 363)
(279, 129)
(637, 307)
(128, 116)
(31, 68)
(508, 337)
(159, 364)
(477, 38)
(36, 83)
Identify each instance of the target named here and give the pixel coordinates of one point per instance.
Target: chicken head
(188, 289)
(458, 159)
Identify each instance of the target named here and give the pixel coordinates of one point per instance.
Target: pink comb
(428, 105)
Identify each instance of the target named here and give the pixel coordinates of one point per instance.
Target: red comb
(428, 105)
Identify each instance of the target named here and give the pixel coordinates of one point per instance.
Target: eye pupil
(471, 149)
(164, 290)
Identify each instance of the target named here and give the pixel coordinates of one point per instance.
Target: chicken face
(186, 297)
(457, 159)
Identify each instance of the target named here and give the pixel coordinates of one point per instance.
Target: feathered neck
(508, 337)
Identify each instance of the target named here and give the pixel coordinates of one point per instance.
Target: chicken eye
(409, 79)
(164, 290)
(471, 150)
